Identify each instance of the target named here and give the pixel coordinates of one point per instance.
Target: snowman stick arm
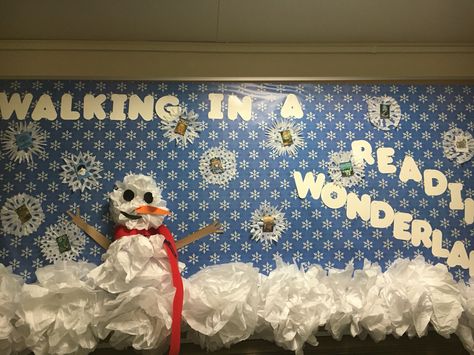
(214, 227)
(89, 230)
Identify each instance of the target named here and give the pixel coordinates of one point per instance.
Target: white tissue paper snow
(10, 292)
(136, 271)
(128, 301)
(293, 304)
(57, 314)
(221, 304)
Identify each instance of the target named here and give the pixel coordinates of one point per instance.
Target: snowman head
(136, 203)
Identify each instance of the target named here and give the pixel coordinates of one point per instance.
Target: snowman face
(136, 203)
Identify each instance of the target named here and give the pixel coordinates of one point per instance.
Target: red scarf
(172, 253)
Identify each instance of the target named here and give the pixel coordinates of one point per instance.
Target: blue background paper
(334, 116)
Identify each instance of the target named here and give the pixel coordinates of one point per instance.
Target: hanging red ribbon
(172, 253)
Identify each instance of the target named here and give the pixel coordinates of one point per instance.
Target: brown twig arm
(89, 230)
(214, 227)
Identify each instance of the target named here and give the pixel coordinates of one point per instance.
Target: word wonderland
(381, 215)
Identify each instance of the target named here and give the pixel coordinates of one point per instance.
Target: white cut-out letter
(166, 107)
(458, 256)
(385, 160)
(66, 112)
(437, 246)
(15, 105)
(378, 221)
(363, 150)
(309, 184)
(215, 113)
(137, 106)
(333, 196)
(455, 189)
(118, 107)
(356, 206)
(421, 232)
(429, 175)
(291, 107)
(44, 108)
(409, 170)
(240, 107)
(401, 225)
(93, 106)
(469, 211)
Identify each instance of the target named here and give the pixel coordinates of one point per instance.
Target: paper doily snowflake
(346, 169)
(458, 145)
(21, 215)
(218, 166)
(267, 224)
(81, 171)
(183, 127)
(62, 241)
(384, 112)
(21, 141)
(285, 137)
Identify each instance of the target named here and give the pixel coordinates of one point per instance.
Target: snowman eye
(128, 195)
(148, 197)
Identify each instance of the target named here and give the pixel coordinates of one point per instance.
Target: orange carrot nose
(147, 209)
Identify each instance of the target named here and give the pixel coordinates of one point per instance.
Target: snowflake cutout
(346, 169)
(62, 242)
(267, 224)
(81, 171)
(285, 137)
(384, 112)
(458, 145)
(182, 127)
(218, 166)
(21, 141)
(21, 215)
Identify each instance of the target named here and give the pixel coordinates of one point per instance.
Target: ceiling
(241, 21)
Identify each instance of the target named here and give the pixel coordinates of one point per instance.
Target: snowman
(141, 268)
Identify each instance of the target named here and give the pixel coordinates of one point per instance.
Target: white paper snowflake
(182, 128)
(21, 141)
(346, 169)
(21, 215)
(384, 112)
(62, 241)
(285, 137)
(218, 166)
(458, 145)
(81, 171)
(267, 224)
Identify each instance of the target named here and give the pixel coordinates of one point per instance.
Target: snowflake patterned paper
(335, 115)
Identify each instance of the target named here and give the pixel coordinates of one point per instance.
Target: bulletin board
(263, 137)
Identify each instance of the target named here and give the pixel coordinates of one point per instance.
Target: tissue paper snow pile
(128, 300)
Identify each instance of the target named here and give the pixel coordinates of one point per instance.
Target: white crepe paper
(458, 145)
(10, 292)
(293, 305)
(136, 270)
(465, 330)
(58, 314)
(129, 195)
(221, 304)
(417, 293)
